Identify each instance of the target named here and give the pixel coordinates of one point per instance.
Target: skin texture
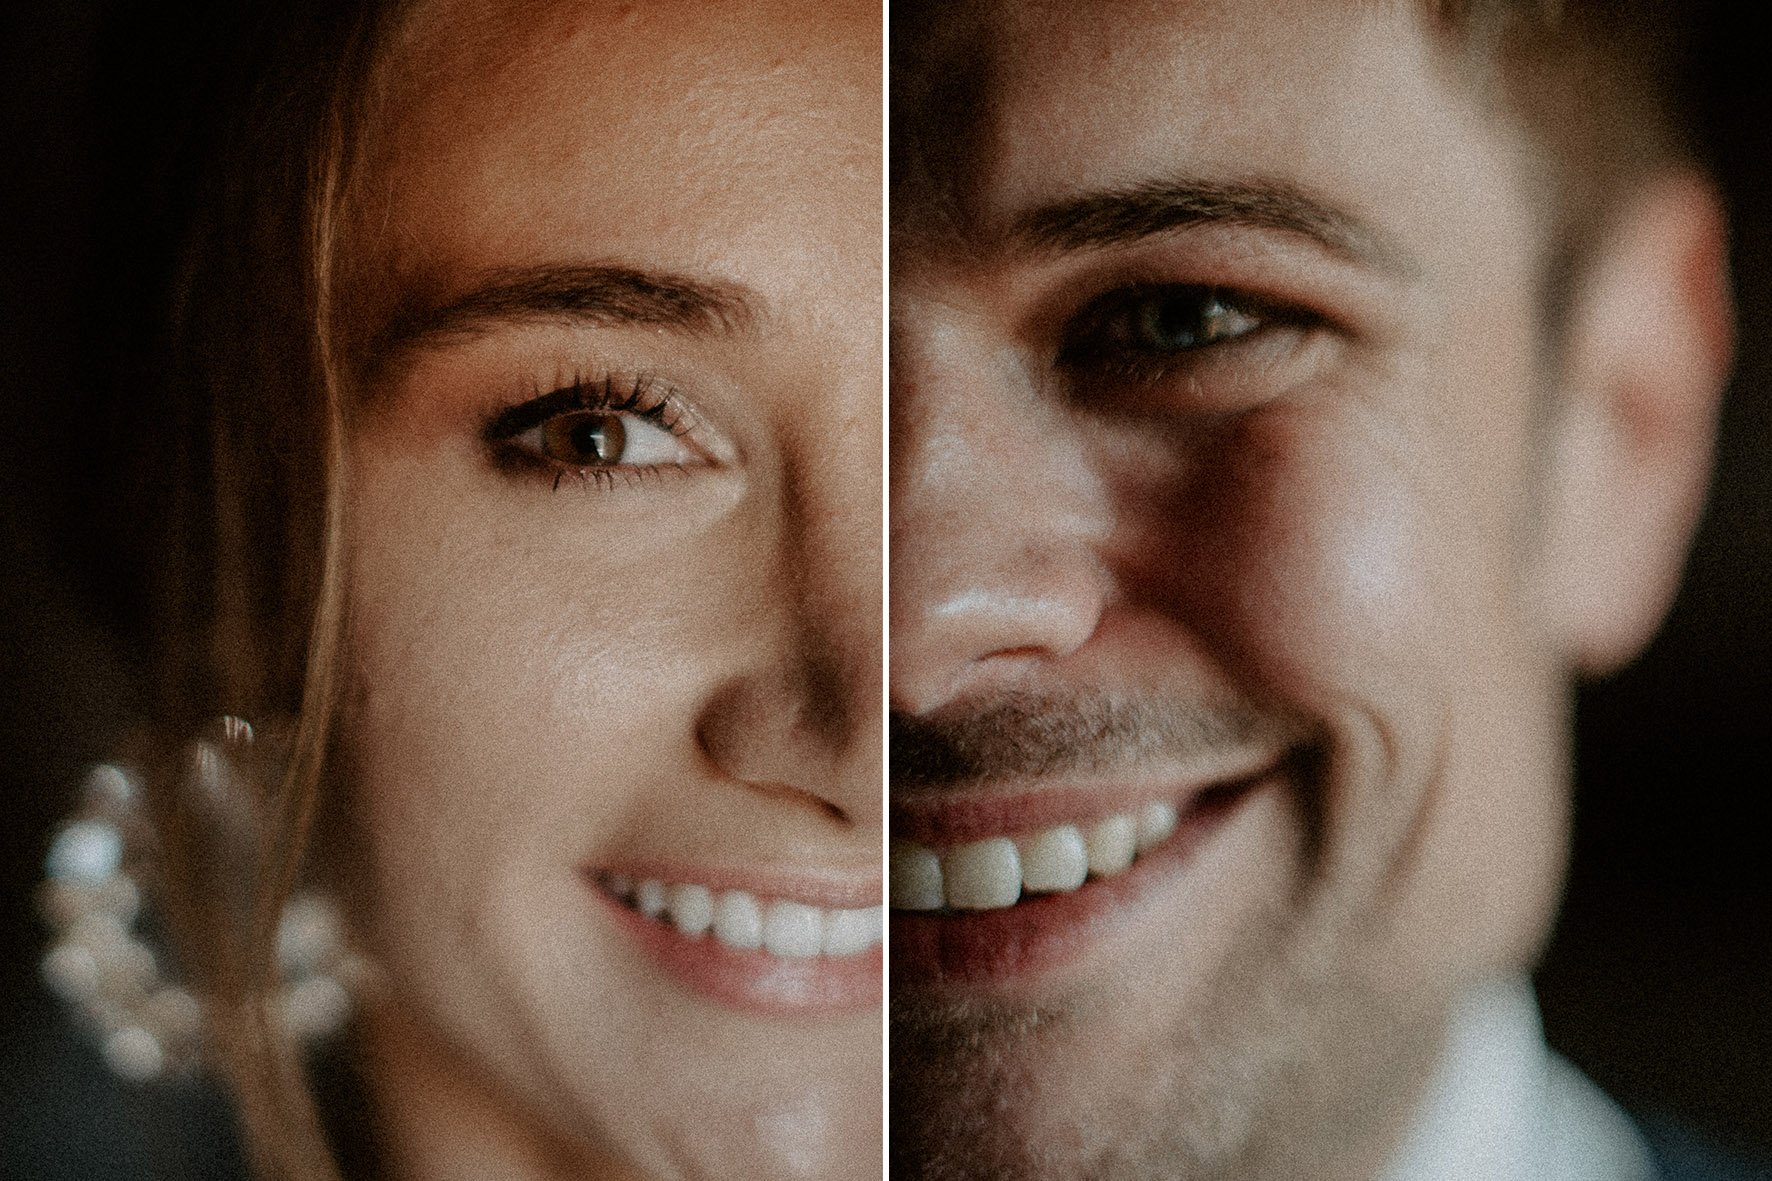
(1384, 521)
(554, 673)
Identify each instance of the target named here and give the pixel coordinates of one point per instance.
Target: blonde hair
(248, 577)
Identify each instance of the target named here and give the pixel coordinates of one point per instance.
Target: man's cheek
(1311, 564)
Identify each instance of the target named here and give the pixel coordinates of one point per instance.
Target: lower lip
(999, 948)
(754, 981)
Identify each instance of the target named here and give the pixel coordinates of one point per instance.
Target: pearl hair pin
(104, 958)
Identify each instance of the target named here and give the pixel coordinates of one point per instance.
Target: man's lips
(1011, 907)
(981, 850)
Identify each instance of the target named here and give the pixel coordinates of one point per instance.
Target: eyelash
(639, 396)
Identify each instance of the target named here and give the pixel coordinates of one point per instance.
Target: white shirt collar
(1503, 1107)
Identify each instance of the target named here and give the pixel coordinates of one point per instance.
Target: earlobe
(1645, 359)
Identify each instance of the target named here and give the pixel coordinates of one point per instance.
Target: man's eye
(1151, 323)
(604, 438)
(1170, 323)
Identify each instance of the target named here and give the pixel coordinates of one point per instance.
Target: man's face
(1218, 392)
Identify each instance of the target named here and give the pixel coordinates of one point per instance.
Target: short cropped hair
(1595, 86)
(1598, 88)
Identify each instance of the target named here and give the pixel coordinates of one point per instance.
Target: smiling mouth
(743, 921)
(763, 947)
(997, 872)
(1005, 907)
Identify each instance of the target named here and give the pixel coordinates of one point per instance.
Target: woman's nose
(801, 716)
(996, 519)
(795, 734)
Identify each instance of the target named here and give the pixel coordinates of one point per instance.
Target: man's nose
(996, 518)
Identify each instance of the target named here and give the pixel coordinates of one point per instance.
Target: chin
(547, 1024)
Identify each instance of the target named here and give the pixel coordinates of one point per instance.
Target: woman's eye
(603, 438)
(596, 430)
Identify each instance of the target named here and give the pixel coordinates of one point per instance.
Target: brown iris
(586, 440)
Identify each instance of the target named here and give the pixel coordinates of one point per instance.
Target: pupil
(598, 438)
(1171, 323)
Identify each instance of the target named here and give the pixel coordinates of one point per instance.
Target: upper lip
(828, 891)
(940, 818)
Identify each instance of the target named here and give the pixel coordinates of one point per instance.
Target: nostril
(815, 800)
(779, 735)
(1026, 652)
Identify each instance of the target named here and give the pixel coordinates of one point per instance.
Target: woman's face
(615, 584)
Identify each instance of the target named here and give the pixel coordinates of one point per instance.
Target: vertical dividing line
(885, 568)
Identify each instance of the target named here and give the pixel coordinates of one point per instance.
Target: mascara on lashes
(640, 397)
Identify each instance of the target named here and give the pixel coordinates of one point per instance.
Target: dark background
(1658, 981)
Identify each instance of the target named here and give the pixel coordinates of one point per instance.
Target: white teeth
(649, 897)
(847, 932)
(692, 908)
(794, 929)
(982, 875)
(994, 873)
(1113, 843)
(738, 922)
(1156, 824)
(914, 878)
(741, 920)
(1054, 861)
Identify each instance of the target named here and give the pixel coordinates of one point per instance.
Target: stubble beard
(1299, 1057)
(1292, 1065)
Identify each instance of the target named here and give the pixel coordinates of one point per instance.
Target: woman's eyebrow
(598, 295)
(1122, 216)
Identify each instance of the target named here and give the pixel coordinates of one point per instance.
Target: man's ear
(1647, 352)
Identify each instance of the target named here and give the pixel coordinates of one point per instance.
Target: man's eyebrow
(1117, 217)
(598, 295)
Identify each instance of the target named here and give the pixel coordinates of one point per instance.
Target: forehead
(507, 135)
(1006, 106)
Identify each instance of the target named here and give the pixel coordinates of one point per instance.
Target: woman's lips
(749, 950)
(991, 930)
